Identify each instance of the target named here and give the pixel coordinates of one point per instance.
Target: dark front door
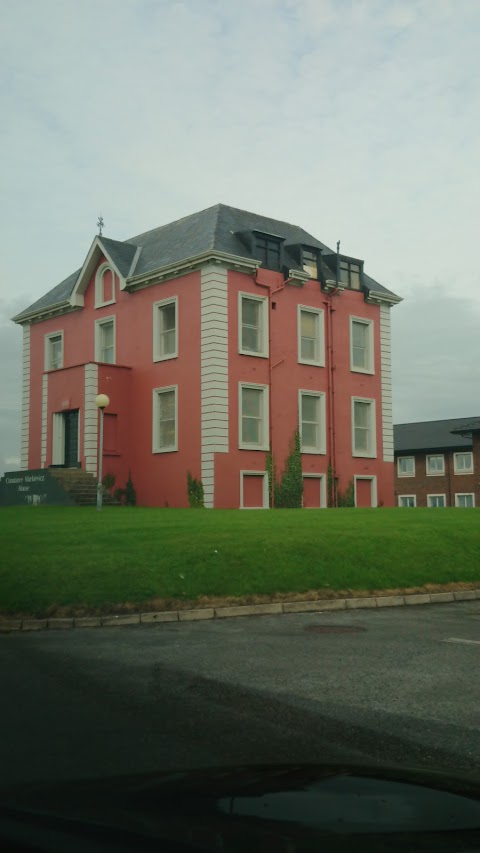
(71, 439)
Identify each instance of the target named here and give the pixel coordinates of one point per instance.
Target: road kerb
(196, 614)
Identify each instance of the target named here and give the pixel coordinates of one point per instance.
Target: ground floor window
(407, 500)
(465, 499)
(436, 500)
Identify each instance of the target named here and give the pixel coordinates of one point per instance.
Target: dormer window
(104, 286)
(268, 250)
(310, 262)
(350, 274)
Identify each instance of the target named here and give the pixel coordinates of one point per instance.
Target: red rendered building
(214, 337)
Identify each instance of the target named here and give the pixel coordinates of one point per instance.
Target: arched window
(104, 286)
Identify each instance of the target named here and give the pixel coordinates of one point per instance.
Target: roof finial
(100, 225)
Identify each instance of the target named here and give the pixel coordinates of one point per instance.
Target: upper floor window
(463, 463)
(361, 345)
(253, 417)
(268, 250)
(105, 340)
(165, 420)
(363, 427)
(54, 351)
(436, 464)
(165, 329)
(311, 406)
(310, 262)
(406, 466)
(253, 324)
(310, 329)
(350, 274)
(104, 286)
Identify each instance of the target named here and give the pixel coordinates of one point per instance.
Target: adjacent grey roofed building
(219, 228)
(433, 435)
(468, 429)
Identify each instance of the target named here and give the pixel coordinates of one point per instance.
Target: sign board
(32, 488)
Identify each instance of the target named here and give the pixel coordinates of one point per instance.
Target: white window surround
(410, 473)
(459, 495)
(430, 464)
(373, 481)
(323, 489)
(463, 469)
(370, 357)
(264, 443)
(98, 338)
(319, 339)
(320, 447)
(264, 475)
(430, 502)
(53, 361)
(100, 300)
(262, 352)
(402, 498)
(158, 340)
(156, 415)
(371, 452)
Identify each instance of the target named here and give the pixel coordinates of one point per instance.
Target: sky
(358, 120)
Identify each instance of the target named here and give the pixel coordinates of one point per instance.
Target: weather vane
(100, 225)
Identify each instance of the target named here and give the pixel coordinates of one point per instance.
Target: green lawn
(77, 557)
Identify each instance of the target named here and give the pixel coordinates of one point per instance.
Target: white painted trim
(373, 427)
(210, 262)
(437, 495)
(100, 302)
(323, 489)
(157, 394)
(25, 422)
(463, 471)
(399, 473)
(370, 369)
(90, 428)
(386, 382)
(407, 496)
(373, 481)
(263, 300)
(434, 473)
(47, 350)
(262, 474)
(214, 403)
(464, 494)
(43, 457)
(264, 444)
(98, 338)
(58, 438)
(322, 429)
(97, 249)
(156, 340)
(320, 335)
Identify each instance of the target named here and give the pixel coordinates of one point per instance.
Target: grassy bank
(77, 557)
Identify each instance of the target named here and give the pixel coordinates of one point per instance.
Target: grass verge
(73, 561)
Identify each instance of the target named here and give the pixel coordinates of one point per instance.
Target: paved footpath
(386, 685)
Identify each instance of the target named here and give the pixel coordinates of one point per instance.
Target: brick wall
(448, 484)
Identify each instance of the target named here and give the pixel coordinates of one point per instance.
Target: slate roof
(432, 435)
(217, 228)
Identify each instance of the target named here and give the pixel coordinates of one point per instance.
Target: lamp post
(101, 402)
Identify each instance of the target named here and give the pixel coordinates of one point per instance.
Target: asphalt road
(254, 690)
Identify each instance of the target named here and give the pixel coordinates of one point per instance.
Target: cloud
(358, 121)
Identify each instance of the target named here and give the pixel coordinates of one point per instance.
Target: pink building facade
(214, 337)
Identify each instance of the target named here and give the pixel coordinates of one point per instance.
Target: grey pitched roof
(218, 228)
(122, 254)
(472, 426)
(431, 435)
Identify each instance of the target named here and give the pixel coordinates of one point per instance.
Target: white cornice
(375, 297)
(189, 265)
(64, 307)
